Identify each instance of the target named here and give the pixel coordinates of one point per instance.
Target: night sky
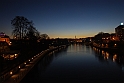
(64, 18)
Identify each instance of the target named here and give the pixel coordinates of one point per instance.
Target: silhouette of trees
(20, 25)
(44, 40)
(23, 28)
(101, 36)
(32, 33)
(44, 36)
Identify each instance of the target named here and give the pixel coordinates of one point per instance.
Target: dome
(2, 34)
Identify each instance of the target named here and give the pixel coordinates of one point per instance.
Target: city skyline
(64, 18)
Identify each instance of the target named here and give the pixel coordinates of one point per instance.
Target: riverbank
(110, 49)
(16, 74)
(78, 64)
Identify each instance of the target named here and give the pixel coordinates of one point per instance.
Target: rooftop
(120, 26)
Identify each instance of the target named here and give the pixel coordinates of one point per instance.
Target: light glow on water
(79, 63)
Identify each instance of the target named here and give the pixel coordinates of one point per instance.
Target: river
(78, 64)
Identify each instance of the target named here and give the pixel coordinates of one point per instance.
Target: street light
(121, 23)
(11, 72)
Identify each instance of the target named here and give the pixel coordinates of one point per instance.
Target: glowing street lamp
(115, 45)
(113, 38)
(121, 23)
(11, 72)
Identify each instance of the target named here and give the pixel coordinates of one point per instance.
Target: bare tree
(20, 25)
(32, 33)
(44, 36)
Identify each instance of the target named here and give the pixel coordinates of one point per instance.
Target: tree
(20, 25)
(44, 36)
(101, 36)
(32, 33)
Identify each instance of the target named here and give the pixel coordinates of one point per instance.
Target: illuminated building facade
(114, 37)
(120, 32)
(4, 37)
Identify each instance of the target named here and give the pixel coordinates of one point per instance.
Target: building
(102, 37)
(4, 37)
(114, 37)
(120, 32)
(4, 47)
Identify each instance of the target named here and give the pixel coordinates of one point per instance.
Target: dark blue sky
(64, 18)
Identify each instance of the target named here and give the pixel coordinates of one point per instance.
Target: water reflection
(116, 57)
(79, 48)
(78, 64)
(36, 73)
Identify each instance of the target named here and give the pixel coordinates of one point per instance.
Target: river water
(78, 64)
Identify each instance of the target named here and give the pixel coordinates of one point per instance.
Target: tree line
(24, 29)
